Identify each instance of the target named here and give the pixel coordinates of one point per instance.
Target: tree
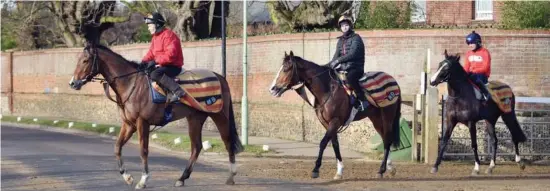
(532, 14)
(69, 16)
(385, 14)
(307, 14)
(195, 19)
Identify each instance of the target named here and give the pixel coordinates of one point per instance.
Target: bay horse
(138, 112)
(463, 107)
(333, 108)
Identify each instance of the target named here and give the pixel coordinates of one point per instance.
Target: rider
(350, 57)
(478, 63)
(164, 56)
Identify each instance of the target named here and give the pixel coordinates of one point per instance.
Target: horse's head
(88, 63)
(446, 69)
(287, 77)
(87, 67)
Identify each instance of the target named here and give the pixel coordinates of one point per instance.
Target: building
(457, 13)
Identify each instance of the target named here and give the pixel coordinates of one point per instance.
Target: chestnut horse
(333, 108)
(138, 112)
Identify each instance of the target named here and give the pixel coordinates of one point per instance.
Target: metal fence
(533, 114)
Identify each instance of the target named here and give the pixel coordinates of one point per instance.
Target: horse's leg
(387, 139)
(518, 136)
(450, 124)
(143, 132)
(195, 122)
(124, 135)
(490, 123)
(473, 137)
(332, 129)
(222, 122)
(339, 162)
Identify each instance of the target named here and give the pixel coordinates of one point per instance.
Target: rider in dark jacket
(350, 57)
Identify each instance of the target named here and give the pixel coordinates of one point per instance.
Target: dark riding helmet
(155, 18)
(473, 38)
(345, 18)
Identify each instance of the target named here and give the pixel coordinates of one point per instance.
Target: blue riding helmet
(473, 38)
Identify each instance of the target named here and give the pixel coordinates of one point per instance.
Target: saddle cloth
(202, 88)
(500, 92)
(380, 88)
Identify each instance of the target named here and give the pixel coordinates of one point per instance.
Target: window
(483, 10)
(418, 13)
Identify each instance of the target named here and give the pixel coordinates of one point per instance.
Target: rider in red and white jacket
(164, 55)
(478, 63)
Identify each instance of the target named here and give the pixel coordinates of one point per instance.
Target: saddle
(202, 88)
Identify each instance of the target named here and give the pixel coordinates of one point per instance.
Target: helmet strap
(478, 45)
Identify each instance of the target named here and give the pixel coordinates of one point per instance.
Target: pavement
(287, 148)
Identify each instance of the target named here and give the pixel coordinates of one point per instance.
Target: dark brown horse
(138, 112)
(333, 108)
(463, 107)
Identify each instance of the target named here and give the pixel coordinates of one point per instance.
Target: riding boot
(174, 88)
(485, 92)
(363, 103)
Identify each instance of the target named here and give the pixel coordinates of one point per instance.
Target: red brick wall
(517, 55)
(521, 58)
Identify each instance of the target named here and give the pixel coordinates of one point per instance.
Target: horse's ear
(286, 55)
(457, 57)
(446, 54)
(291, 53)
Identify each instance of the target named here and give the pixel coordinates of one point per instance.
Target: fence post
(10, 91)
(431, 126)
(415, 141)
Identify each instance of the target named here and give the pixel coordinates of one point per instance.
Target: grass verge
(164, 138)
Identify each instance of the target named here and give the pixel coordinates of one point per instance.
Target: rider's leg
(353, 77)
(165, 76)
(481, 81)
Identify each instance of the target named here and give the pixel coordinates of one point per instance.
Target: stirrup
(362, 105)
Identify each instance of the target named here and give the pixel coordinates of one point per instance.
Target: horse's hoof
(393, 171)
(521, 164)
(140, 186)
(475, 172)
(230, 181)
(489, 171)
(337, 177)
(128, 178)
(434, 170)
(179, 183)
(380, 175)
(314, 174)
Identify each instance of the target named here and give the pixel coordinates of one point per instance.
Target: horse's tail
(512, 123)
(236, 144)
(396, 125)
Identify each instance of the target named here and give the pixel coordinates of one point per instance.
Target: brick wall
(521, 58)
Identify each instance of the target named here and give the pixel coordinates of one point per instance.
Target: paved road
(34, 159)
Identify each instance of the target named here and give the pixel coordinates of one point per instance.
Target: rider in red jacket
(164, 55)
(478, 63)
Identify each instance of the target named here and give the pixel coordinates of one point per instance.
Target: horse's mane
(307, 62)
(455, 64)
(118, 56)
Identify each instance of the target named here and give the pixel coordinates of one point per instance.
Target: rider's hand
(151, 64)
(333, 64)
